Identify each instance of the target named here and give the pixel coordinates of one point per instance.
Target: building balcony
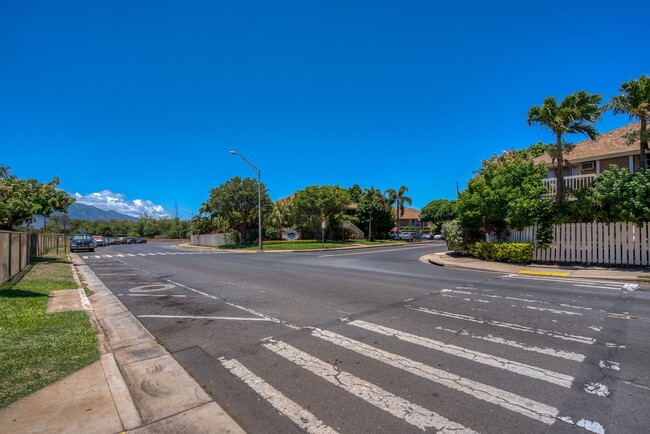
(575, 182)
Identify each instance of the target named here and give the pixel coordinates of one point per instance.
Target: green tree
(236, 201)
(576, 113)
(618, 195)
(439, 211)
(319, 203)
(374, 212)
(505, 193)
(355, 193)
(22, 199)
(398, 196)
(634, 100)
(278, 218)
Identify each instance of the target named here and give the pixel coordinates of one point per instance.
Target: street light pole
(259, 199)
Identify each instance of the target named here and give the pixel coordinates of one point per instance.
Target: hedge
(503, 252)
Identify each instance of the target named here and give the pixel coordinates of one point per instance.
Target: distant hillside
(92, 213)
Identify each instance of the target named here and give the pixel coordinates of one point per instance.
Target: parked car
(107, 241)
(130, 240)
(141, 240)
(407, 236)
(439, 237)
(82, 242)
(99, 240)
(393, 236)
(119, 240)
(427, 236)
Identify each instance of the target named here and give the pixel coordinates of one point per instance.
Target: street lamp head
(233, 152)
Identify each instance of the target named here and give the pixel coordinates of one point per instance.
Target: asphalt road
(373, 340)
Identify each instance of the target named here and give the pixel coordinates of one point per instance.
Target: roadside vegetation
(506, 193)
(309, 244)
(37, 348)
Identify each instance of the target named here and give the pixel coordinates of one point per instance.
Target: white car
(439, 237)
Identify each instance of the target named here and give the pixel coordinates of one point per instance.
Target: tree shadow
(19, 293)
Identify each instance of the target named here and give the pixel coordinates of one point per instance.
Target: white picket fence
(592, 243)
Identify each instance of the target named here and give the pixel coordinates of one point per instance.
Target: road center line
(231, 318)
(475, 356)
(380, 398)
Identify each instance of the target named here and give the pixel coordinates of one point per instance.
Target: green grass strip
(37, 348)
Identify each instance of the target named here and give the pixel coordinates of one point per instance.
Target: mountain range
(87, 212)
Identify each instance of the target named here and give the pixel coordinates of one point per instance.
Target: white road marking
(130, 254)
(475, 356)
(380, 398)
(568, 355)
(141, 254)
(231, 318)
(155, 295)
(245, 309)
(152, 254)
(117, 274)
(84, 257)
(285, 406)
(107, 256)
(155, 287)
(608, 364)
(558, 335)
(597, 389)
(120, 256)
(524, 406)
(577, 282)
(555, 311)
(503, 297)
(595, 286)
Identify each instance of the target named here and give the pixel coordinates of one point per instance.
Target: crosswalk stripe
(559, 279)
(380, 398)
(504, 297)
(475, 356)
(130, 254)
(568, 355)
(120, 256)
(298, 415)
(558, 335)
(152, 254)
(527, 407)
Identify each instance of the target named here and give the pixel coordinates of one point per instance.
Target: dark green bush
(503, 252)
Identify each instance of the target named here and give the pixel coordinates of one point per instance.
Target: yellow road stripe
(544, 273)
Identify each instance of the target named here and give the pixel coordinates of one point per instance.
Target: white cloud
(109, 201)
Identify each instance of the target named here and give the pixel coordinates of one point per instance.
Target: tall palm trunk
(559, 172)
(644, 145)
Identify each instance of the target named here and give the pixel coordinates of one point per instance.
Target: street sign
(323, 224)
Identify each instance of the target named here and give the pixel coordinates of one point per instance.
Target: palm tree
(576, 113)
(399, 199)
(634, 100)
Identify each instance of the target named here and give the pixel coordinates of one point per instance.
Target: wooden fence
(17, 249)
(592, 243)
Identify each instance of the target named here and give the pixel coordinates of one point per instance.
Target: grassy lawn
(315, 245)
(37, 348)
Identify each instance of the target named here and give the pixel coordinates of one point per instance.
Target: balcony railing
(575, 182)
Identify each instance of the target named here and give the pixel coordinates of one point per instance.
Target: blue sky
(141, 101)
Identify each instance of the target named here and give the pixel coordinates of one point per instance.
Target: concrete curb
(211, 249)
(445, 260)
(136, 368)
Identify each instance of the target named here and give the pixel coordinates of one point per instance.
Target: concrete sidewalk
(450, 259)
(136, 386)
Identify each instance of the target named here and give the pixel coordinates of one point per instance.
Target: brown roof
(609, 143)
(409, 214)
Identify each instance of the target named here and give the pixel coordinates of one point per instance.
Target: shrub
(459, 238)
(503, 252)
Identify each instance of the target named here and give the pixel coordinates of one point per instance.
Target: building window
(587, 166)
